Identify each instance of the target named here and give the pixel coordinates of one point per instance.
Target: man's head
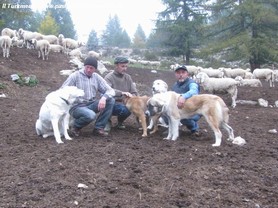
(90, 65)
(121, 64)
(181, 73)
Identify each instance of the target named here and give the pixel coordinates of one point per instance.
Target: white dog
(212, 107)
(159, 86)
(54, 113)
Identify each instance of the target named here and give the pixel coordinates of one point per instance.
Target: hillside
(125, 170)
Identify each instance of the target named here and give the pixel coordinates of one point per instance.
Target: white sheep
(232, 73)
(27, 36)
(60, 39)
(56, 48)
(226, 85)
(5, 44)
(76, 53)
(249, 82)
(17, 43)
(70, 44)
(43, 48)
(95, 54)
(212, 72)
(267, 74)
(9, 32)
(52, 39)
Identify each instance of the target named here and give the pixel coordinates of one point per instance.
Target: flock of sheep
(34, 40)
(227, 80)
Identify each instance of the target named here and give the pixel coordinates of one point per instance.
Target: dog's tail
(221, 111)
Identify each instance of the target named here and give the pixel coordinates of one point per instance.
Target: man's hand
(127, 94)
(101, 103)
(181, 101)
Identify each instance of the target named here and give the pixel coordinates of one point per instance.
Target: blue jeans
(121, 111)
(191, 123)
(83, 115)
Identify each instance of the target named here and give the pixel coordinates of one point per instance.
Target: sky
(95, 15)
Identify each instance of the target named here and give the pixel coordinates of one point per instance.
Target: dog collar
(66, 101)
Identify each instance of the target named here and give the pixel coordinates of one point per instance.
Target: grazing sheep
(212, 72)
(43, 48)
(233, 73)
(267, 74)
(56, 48)
(17, 43)
(249, 82)
(9, 32)
(226, 85)
(5, 44)
(52, 39)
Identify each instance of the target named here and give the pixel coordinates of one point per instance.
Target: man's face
(89, 70)
(121, 67)
(181, 75)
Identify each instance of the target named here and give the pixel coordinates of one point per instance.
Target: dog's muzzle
(152, 110)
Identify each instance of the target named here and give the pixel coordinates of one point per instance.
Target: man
(187, 87)
(85, 111)
(122, 83)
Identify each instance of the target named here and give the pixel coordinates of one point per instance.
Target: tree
(92, 43)
(181, 23)
(139, 40)
(114, 35)
(244, 31)
(48, 26)
(63, 18)
(16, 14)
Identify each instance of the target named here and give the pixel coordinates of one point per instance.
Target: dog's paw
(59, 141)
(216, 145)
(68, 138)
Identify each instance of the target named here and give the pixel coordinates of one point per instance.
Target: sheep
(75, 53)
(56, 48)
(212, 72)
(69, 43)
(265, 73)
(94, 54)
(232, 73)
(249, 82)
(5, 44)
(227, 85)
(52, 39)
(18, 43)
(60, 39)
(43, 48)
(9, 32)
(27, 36)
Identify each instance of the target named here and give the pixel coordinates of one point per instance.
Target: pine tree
(48, 26)
(244, 31)
(92, 43)
(139, 40)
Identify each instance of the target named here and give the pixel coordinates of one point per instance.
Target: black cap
(181, 67)
(92, 61)
(120, 59)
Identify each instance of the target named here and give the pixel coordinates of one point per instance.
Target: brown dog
(138, 105)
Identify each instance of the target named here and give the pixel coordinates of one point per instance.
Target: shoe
(100, 132)
(121, 126)
(74, 131)
(196, 133)
(108, 126)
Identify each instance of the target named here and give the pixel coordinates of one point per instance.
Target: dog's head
(159, 86)
(71, 93)
(156, 104)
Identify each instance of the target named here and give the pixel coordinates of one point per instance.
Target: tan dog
(212, 107)
(138, 105)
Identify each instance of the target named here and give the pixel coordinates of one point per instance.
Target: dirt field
(125, 170)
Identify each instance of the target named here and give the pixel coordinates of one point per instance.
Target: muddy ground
(124, 170)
